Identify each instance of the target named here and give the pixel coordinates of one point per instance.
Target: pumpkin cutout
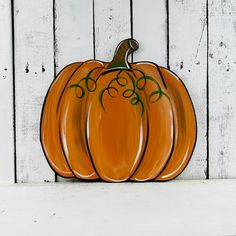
(118, 121)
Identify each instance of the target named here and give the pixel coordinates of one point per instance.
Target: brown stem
(124, 48)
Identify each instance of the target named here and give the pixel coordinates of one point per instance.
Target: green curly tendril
(129, 93)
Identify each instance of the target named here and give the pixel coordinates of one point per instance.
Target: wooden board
(73, 34)
(222, 88)
(34, 69)
(112, 24)
(188, 59)
(150, 30)
(6, 95)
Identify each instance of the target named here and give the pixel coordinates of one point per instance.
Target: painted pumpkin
(118, 121)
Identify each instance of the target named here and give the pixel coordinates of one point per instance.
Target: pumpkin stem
(120, 59)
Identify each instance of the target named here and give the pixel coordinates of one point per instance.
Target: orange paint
(118, 121)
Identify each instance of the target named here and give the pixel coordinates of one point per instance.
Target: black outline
(62, 93)
(162, 78)
(14, 87)
(207, 97)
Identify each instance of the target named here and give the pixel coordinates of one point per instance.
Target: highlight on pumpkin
(118, 121)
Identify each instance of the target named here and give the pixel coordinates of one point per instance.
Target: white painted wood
(34, 73)
(112, 24)
(222, 88)
(6, 95)
(150, 30)
(74, 28)
(73, 34)
(188, 59)
(74, 31)
(205, 208)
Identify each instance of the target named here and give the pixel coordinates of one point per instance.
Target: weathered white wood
(222, 88)
(205, 208)
(74, 31)
(150, 30)
(188, 59)
(6, 95)
(34, 73)
(112, 24)
(73, 34)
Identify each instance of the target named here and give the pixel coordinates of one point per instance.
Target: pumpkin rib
(146, 143)
(173, 139)
(67, 102)
(144, 150)
(59, 101)
(182, 165)
(97, 143)
(54, 166)
(172, 148)
(89, 152)
(74, 176)
(152, 167)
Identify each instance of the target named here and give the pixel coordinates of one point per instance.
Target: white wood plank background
(178, 34)
(6, 94)
(34, 66)
(112, 24)
(222, 88)
(150, 29)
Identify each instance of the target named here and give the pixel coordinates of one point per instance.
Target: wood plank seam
(14, 87)
(207, 93)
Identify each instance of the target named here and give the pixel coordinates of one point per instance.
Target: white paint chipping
(6, 95)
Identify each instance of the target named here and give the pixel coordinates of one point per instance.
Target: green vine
(137, 84)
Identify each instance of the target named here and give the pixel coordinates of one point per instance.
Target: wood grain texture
(34, 72)
(73, 35)
(188, 59)
(150, 30)
(112, 25)
(6, 95)
(222, 88)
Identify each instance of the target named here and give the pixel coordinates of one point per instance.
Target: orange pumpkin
(118, 121)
